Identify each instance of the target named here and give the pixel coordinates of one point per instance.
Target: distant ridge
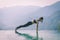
(19, 15)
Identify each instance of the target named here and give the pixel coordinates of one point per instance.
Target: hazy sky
(42, 3)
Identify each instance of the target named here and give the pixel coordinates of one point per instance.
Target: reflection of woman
(29, 23)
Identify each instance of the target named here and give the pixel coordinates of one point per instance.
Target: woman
(29, 23)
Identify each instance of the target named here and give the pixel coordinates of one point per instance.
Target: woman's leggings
(25, 25)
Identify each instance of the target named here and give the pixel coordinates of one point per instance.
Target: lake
(29, 35)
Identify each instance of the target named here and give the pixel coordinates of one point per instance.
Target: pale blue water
(29, 35)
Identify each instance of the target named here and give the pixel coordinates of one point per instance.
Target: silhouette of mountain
(15, 16)
(19, 15)
(48, 10)
(48, 14)
(55, 19)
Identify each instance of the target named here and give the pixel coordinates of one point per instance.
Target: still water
(29, 35)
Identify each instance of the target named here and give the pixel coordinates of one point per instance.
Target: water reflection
(28, 37)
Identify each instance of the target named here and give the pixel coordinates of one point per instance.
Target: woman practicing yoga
(29, 23)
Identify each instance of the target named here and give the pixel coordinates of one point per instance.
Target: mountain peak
(58, 2)
(56, 5)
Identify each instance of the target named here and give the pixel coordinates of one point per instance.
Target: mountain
(55, 20)
(48, 10)
(19, 15)
(15, 16)
(48, 14)
(1, 24)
